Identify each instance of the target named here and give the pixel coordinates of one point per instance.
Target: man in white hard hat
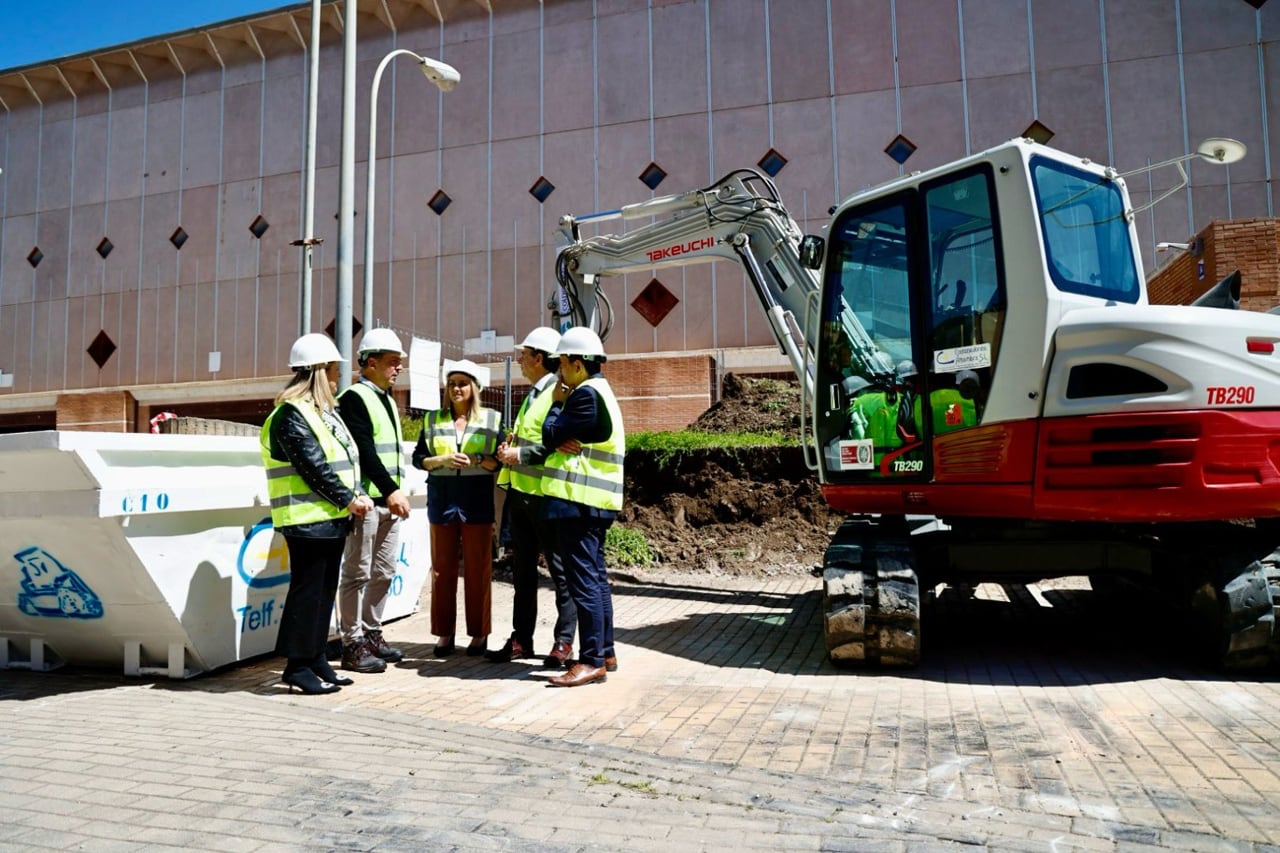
(582, 481)
(369, 563)
(522, 455)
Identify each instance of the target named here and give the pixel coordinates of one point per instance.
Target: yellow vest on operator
(594, 475)
(528, 430)
(292, 500)
(386, 433)
(481, 438)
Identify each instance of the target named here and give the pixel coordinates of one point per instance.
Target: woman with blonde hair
(458, 445)
(313, 479)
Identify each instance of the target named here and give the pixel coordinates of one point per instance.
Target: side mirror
(812, 249)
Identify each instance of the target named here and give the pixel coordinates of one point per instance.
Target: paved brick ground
(1040, 719)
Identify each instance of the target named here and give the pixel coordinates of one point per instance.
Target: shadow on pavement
(1072, 636)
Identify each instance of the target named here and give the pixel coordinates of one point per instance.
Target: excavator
(988, 394)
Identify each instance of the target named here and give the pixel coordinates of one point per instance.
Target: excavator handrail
(807, 394)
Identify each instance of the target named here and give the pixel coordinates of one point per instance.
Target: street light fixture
(445, 77)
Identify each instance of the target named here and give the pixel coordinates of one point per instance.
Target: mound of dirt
(749, 511)
(753, 404)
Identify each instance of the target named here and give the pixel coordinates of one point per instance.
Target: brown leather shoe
(560, 657)
(579, 675)
(611, 664)
(509, 652)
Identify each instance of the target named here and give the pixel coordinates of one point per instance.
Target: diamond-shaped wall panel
(772, 162)
(653, 175)
(900, 149)
(330, 329)
(105, 247)
(542, 189)
(259, 226)
(440, 202)
(101, 349)
(34, 257)
(655, 302)
(178, 237)
(1038, 131)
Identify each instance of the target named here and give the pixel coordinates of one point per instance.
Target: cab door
(964, 308)
(869, 415)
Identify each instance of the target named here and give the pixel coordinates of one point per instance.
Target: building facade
(151, 193)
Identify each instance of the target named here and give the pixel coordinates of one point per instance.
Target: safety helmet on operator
(582, 342)
(380, 340)
(312, 349)
(544, 339)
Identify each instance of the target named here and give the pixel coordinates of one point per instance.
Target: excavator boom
(739, 218)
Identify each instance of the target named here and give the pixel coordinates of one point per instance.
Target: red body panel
(1143, 467)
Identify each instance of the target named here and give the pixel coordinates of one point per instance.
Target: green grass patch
(687, 439)
(626, 547)
(668, 447)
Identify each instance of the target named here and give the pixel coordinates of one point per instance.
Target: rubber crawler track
(871, 597)
(1250, 612)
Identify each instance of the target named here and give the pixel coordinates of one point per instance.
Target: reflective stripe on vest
(528, 430)
(292, 500)
(480, 438)
(386, 433)
(594, 476)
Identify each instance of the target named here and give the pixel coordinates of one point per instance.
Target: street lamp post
(445, 77)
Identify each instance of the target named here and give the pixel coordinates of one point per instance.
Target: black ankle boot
(308, 682)
(321, 667)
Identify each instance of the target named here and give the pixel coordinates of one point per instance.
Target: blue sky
(40, 30)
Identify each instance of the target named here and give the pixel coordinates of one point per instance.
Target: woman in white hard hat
(313, 481)
(582, 484)
(458, 445)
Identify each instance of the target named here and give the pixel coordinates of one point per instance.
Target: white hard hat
(906, 368)
(543, 338)
(312, 349)
(581, 341)
(381, 340)
(467, 367)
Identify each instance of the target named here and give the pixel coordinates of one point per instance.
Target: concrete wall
(204, 131)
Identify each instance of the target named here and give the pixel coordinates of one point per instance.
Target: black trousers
(532, 534)
(313, 584)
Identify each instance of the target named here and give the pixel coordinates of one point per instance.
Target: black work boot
(379, 647)
(359, 657)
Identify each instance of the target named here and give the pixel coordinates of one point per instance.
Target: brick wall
(661, 392)
(1249, 245)
(97, 411)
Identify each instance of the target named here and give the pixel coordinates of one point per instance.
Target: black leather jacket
(293, 441)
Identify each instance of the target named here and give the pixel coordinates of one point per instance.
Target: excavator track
(871, 596)
(1250, 611)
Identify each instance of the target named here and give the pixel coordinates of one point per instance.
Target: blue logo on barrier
(258, 581)
(51, 589)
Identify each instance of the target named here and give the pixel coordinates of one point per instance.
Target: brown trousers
(471, 545)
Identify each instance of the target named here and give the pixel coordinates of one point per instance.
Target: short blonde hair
(310, 384)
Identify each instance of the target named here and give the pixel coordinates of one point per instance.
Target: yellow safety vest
(292, 500)
(479, 438)
(528, 430)
(386, 433)
(593, 476)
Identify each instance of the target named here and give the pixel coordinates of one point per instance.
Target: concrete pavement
(1040, 719)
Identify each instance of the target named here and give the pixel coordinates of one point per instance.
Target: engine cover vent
(1110, 380)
